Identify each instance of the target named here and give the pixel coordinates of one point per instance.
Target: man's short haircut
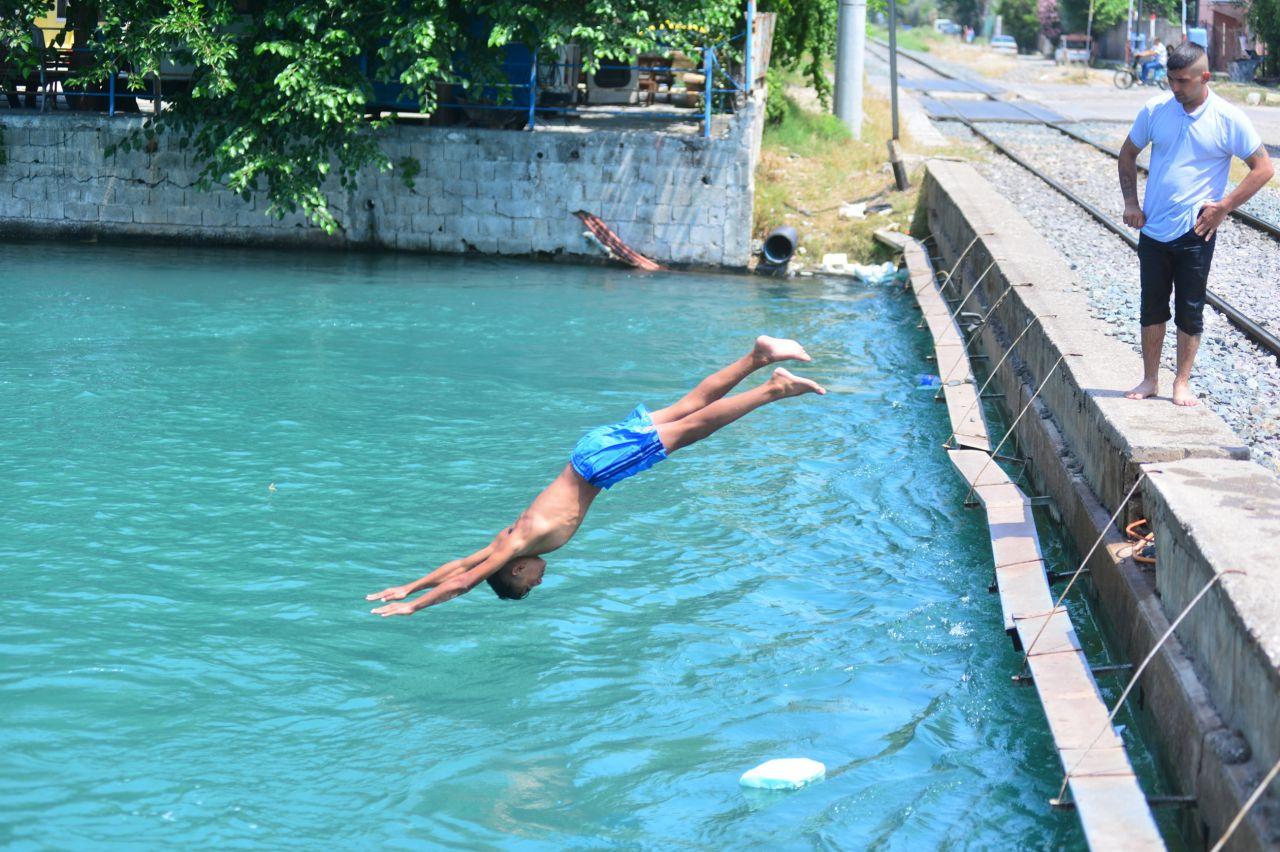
(501, 583)
(1184, 56)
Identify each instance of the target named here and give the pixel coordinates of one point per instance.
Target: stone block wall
(673, 196)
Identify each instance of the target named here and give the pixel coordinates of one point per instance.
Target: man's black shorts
(1179, 268)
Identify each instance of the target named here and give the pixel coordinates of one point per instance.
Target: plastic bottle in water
(927, 381)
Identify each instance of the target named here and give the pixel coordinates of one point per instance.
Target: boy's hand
(395, 593)
(394, 609)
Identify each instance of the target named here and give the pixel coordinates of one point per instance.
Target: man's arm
(1128, 169)
(435, 578)
(1213, 212)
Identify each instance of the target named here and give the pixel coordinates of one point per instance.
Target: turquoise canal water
(211, 457)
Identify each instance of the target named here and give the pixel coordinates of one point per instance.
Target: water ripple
(212, 458)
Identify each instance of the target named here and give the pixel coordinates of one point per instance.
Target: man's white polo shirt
(1190, 158)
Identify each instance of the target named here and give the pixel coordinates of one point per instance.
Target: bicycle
(1126, 76)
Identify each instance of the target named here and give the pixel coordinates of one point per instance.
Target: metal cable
(992, 375)
(996, 451)
(1103, 534)
(1252, 800)
(1141, 668)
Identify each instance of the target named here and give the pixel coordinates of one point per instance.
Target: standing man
(1193, 135)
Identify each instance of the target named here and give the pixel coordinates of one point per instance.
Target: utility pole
(851, 37)
(1128, 35)
(895, 152)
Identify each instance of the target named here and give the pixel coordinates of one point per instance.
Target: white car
(1004, 44)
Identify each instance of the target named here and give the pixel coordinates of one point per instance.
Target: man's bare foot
(793, 385)
(770, 349)
(1144, 390)
(1182, 394)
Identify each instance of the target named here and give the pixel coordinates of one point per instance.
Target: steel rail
(1248, 327)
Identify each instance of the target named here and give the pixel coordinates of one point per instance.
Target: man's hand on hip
(1211, 216)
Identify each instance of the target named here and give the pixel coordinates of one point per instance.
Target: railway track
(1249, 326)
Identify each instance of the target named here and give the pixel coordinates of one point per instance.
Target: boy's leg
(767, 350)
(697, 425)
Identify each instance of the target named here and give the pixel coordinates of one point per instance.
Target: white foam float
(786, 773)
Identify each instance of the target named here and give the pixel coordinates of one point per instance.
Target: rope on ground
(877, 194)
(1141, 543)
(1141, 668)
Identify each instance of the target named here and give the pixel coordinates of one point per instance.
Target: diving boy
(602, 458)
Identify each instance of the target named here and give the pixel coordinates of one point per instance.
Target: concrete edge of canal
(1210, 695)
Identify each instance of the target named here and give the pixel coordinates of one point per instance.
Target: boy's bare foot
(770, 349)
(1143, 390)
(793, 385)
(1182, 394)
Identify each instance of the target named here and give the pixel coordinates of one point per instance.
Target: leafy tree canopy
(1022, 21)
(1108, 13)
(1264, 17)
(16, 47)
(279, 90)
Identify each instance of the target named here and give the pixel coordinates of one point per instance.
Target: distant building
(1224, 22)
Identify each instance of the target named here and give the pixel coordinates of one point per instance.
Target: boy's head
(517, 578)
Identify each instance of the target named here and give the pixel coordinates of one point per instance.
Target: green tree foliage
(967, 12)
(1264, 18)
(804, 38)
(277, 102)
(1108, 13)
(18, 55)
(1022, 21)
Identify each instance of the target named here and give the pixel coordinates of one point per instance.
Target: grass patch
(808, 134)
(919, 39)
(810, 164)
(1239, 92)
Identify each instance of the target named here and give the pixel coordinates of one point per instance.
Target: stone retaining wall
(1211, 694)
(675, 197)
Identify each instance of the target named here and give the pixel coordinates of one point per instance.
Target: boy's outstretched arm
(458, 583)
(435, 578)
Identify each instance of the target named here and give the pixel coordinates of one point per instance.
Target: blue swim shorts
(609, 454)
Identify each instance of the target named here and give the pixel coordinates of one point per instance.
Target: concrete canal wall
(1211, 695)
(673, 196)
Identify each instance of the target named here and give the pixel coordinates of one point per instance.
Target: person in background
(1156, 57)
